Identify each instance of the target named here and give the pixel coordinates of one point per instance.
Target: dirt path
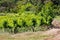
(52, 34)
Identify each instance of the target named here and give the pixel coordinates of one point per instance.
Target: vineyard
(27, 15)
(23, 21)
(27, 21)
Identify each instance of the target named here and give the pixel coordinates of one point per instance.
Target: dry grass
(45, 35)
(25, 36)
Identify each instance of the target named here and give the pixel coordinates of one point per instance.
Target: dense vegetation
(27, 15)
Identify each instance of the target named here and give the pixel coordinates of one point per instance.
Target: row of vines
(27, 21)
(23, 20)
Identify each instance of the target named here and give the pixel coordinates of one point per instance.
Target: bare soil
(55, 33)
(52, 34)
